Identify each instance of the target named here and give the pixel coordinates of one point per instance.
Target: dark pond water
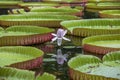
(57, 65)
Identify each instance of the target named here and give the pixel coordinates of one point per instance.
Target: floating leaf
(94, 7)
(110, 14)
(87, 67)
(101, 44)
(38, 20)
(65, 1)
(20, 57)
(25, 35)
(7, 73)
(55, 11)
(92, 27)
(9, 4)
(103, 0)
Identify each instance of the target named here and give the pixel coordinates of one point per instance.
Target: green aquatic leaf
(93, 68)
(102, 44)
(110, 13)
(24, 35)
(20, 57)
(35, 19)
(7, 73)
(92, 27)
(53, 9)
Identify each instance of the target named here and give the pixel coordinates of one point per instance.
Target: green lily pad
(93, 7)
(56, 11)
(9, 4)
(103, 0)
(90, 67)
(110, 14)
(102, 44)
(20, 57)
(7, 73)
(92, 27)
(38, 20)
(24, 35)
(53, 9)
(63, 1)
(37, 4)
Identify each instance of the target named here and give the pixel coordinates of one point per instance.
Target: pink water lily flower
(59, 36)
(60, 57)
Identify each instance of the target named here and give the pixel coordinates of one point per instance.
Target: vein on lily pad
(59, 36)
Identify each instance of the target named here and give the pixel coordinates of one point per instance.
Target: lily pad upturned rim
(53, 9)
(37, 4)
(25, 35)
(102, 0)
(91, 27)
(37, 20)
(64, 1)
(99, 49)
(9, 4)
(110, 13)
(28, 63)
(37, 16)
(31, 29)
(13, 73)
(82, 60)
(102, 6)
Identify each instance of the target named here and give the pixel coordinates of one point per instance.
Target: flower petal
(66, 39)
(59, 41)
(53, 34)
(55, 38)
(65, 59)
(64, 33)
(60, 60)
(60, 33)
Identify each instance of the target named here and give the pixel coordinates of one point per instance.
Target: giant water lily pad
(103, 0)
(9, 4)
(87, 67)
(24, 35)
(55, 11)
(110, 14)
(94, 7)
(38, 20)
(7, 73)
(102, 44)
(20, 57)
(64, 1)
(37, 4)
(92, 27)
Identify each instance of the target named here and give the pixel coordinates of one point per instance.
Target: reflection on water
(56, 58)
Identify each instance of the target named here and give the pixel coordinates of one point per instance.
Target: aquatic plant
(59, 36)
